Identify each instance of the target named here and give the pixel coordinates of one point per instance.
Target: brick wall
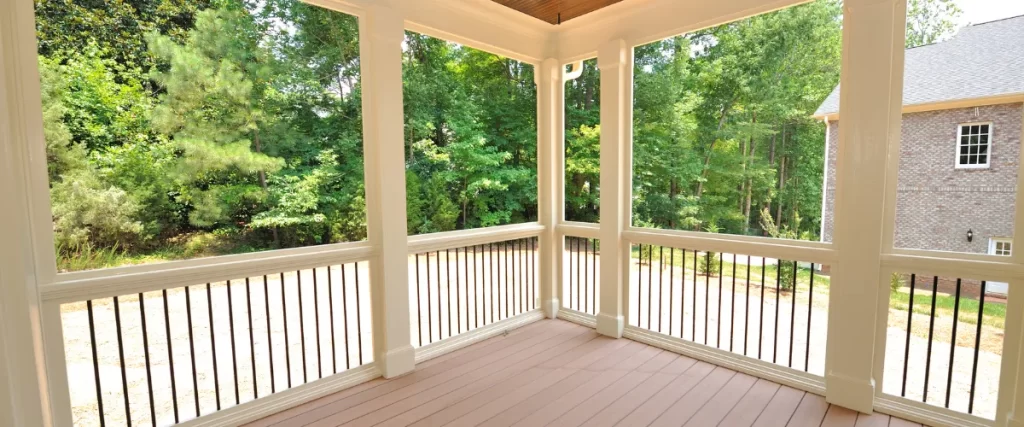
(936, 203)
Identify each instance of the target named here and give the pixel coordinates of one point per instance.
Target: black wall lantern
(970, 235)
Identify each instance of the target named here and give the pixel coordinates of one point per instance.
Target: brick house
(963, 110)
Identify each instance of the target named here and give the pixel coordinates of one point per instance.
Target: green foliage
(895, 282)
(85, 212)
(929, 21)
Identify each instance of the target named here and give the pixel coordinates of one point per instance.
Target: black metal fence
(163, 357)
(768, 309)
(945, 339)
(461, 289)
(580, 274)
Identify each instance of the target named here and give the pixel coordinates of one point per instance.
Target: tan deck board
(557, 373)
(838, 416)
(745, 412)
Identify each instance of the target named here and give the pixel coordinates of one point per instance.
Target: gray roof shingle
(981, 60)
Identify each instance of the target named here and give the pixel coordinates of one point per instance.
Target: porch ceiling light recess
(556, 11)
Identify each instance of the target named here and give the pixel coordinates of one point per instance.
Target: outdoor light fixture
(970, 235)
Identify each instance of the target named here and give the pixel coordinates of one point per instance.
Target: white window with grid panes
(1001, 247)
(974, 142)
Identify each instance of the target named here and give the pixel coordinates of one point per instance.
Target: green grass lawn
(994, 314)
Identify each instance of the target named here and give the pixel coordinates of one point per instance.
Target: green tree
(929, 21)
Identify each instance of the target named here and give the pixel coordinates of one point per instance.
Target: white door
(1001, 247)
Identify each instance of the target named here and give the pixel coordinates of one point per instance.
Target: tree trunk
(782, 178)
(263, 182)
(711, 149)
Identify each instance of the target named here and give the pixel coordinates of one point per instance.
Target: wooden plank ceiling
(556, 11)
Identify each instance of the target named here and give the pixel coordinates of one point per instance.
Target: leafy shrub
(709, 263)
(895, 282)
(86, 212)
(786, 273)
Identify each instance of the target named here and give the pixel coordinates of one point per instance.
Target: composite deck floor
(558, 373)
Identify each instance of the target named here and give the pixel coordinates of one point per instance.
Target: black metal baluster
(639, 279)
(270, 341)
(778, 293)
(661, 283)
(465, 271)
(419, 315)
(191, 348)
(95, 363)
(170, 355)
(792, 315)
(302, 327)
(440, 324)
(287, 342)
(234, 353)
(578, 275)
(252, 341)
(910, 322)
(476, 291)
(746, 311)
(693, 314)
(359, 317)
(586, 279)
(718, 318)
(810, 309)
(509, 268)
(495, 295)
(732, 305)
(213, 344)
(344, 309)
(124, 375)
(330, 311)
(931, 331)
(671, 287)
(760, 313)
(977, 347)
(593, 292)
(145, 353)
(952, 341)
(430, 327)
(458, 298)
(448, 288)
(650, 282)
(707, 293)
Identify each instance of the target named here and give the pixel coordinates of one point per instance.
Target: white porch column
(550, 173)
(615, 60)
(1010, 408)
(870, 103)
(28, 397)
(382, 32)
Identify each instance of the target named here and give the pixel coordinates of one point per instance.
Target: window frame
(993, 245)
(959, 144)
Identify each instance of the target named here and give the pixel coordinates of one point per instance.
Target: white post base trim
(399, 361)
(266, 406)
(464, 339)
(578, 317)
(610, 326)
(852, 393)
(551, 308)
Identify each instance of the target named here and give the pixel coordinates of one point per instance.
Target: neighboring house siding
(937, 203)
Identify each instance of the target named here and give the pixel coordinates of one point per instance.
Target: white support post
(550, 173)
(1010, 407)
(27, 396)
(382, 31)
(871, 100)
(615, 60)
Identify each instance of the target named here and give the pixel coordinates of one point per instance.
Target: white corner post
(382, 30)
(550, 167)
(870, 104)
(26, 390)
(1010, 406)
(615, 60)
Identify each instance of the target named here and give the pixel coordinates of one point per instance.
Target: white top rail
(462, 238)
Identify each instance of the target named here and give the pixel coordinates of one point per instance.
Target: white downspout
(575, 72)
